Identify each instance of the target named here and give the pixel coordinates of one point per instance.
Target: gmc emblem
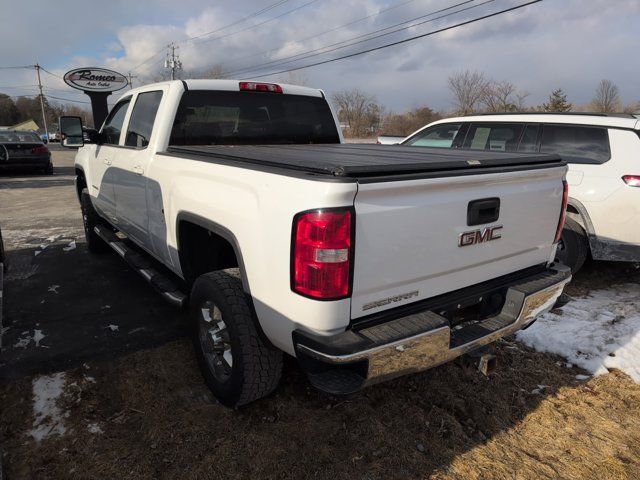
(479, 236)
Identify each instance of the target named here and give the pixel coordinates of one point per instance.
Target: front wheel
(91, 219)
(236, 363)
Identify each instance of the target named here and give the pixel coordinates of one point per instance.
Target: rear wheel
(574, 246)
(91, 219)
(48, 170)
(236, 363)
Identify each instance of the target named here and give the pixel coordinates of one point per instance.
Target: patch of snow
(25, 341)
(89, 378)
(94, 428)
(71, 246)
(114, 328)
(598, 332)
(22, 342)
(37, 252)
(49, 418)
(54, 288)
(582, 377)
(38, 336)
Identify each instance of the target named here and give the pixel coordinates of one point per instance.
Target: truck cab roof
(225, 85)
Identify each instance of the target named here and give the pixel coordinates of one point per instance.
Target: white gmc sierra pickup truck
(364, 262)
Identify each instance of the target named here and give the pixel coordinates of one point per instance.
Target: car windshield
(17, 137)
(249, 118)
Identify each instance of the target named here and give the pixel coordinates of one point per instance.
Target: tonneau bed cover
(357, 160)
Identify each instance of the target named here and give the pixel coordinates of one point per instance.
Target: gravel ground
(110, 401)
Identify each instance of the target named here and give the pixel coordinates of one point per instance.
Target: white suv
(603, 152)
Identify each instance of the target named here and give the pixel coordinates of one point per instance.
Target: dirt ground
(143, 411)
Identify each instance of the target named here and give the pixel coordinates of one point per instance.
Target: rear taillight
(563, 212)
(260, 87)
(40, 149)
(322, 253)
(632, 180)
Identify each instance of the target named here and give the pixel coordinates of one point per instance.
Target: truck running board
(144, 266)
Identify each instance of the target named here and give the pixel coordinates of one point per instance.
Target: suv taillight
(563, 212)
(632, 180)
(322, 253)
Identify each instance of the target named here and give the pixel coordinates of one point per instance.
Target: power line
(52, 74)
(18, 86)
(372, 35)
(251, 27)
(406, 40)
(20, 66)
(263, 10)
(248, 17)
(353, 22)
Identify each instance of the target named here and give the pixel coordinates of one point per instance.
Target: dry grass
(450, 423)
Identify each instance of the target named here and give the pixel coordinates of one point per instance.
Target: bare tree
(607, 97)
(403, 124)
(360, 112)
(632, 108)
(503, 97)
(468, 89)
(294, 78)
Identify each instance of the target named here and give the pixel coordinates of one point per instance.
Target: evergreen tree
(557, 102)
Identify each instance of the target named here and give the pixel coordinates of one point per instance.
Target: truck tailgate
(408, 234)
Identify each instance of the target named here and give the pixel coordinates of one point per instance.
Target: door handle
(138, 169)
(106, 161)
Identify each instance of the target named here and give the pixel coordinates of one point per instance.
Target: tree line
(472, 92)
(22, 109)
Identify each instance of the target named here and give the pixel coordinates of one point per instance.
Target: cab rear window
(576, 144)
(250, 118)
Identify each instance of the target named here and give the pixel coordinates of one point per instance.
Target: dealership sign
(95, 80)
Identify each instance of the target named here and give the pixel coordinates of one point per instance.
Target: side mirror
(71, 132)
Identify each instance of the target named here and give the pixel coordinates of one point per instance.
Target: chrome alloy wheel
(215, 341)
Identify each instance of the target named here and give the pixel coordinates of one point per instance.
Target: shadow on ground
(66, 307)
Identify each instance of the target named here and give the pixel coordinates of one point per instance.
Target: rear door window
(529, 141)
(496, 137)
(438, 136)
(576, 144)
(142, 118)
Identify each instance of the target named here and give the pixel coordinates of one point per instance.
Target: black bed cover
(365, 160)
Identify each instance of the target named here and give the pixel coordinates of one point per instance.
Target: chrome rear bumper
(353, 360)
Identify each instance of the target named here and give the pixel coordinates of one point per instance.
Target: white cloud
(570, 44)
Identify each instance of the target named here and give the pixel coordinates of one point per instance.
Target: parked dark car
(21, 149)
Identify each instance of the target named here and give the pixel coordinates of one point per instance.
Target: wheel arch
(577, 212)
(80, 180)
(187, 218)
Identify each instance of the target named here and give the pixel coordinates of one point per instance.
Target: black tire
(48, 170)
(3, 260)
(256, 367)
(90, 219)
(574, 246)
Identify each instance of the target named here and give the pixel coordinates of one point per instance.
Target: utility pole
(44, 120)
(131, 77)
(173, 60)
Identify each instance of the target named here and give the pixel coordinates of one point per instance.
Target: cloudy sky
(555, 43)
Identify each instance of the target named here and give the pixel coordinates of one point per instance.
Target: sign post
(98, 83)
